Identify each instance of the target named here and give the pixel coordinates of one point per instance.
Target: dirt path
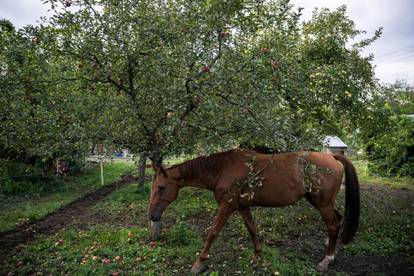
(61, 218)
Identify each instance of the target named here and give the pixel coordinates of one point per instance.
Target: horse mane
(203, 166)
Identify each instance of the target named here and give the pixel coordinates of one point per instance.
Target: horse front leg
(223, 214)
(248, 221)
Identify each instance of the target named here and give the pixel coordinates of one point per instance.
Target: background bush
(391, 152)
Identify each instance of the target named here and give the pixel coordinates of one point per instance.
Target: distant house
(333, 144)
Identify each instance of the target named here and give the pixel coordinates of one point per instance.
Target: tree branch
(117, 85)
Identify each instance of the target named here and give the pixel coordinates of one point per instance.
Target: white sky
(394, 51)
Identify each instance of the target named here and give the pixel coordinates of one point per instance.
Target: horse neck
(195, 181)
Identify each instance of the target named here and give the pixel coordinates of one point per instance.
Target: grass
(116, 238)
(394, 182)
(292, 238)
(18, 210)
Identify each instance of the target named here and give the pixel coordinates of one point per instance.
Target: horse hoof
(322, 267)
(255, 258)
(197, 269)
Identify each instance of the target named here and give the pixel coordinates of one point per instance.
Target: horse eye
(161, 188)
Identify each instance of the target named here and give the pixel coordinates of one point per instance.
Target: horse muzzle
(155, 215)
(155, 218)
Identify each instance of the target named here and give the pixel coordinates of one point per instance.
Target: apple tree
(44, 117)
(186, 76)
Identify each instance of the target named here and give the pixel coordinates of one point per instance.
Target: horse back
(282, 179)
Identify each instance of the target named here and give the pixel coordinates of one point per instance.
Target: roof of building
(334, 142)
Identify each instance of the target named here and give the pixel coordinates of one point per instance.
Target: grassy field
(19, 210)
(394, 182)
(115, 239)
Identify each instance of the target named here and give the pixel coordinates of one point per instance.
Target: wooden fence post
(100, 154)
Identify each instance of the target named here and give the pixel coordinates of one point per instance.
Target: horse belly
(278, 194)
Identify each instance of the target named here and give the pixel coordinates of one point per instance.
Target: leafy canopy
(167, 77)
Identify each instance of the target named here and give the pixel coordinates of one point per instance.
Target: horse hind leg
(332, 220)
(339, 218)
(314, 202)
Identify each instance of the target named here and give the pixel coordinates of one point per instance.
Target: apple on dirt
(169, 114)
(19, 263)
(276, 64)
(59, 242)
(106, 261)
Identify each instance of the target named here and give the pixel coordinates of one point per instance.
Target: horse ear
(158, 169)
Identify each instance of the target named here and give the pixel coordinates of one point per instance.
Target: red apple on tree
(264, 50)
(198, 99)
(224, 34)
(205, 69)
(68, 3)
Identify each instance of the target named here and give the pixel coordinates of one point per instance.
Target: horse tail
(352, 201)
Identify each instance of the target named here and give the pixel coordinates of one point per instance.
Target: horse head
(164, 190)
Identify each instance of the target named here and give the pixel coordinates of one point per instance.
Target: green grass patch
(23, 209)
(366, 177)
(292, 238)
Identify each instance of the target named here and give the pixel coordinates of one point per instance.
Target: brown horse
(241, 178)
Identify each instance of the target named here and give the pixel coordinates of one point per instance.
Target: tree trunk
(141, 171)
